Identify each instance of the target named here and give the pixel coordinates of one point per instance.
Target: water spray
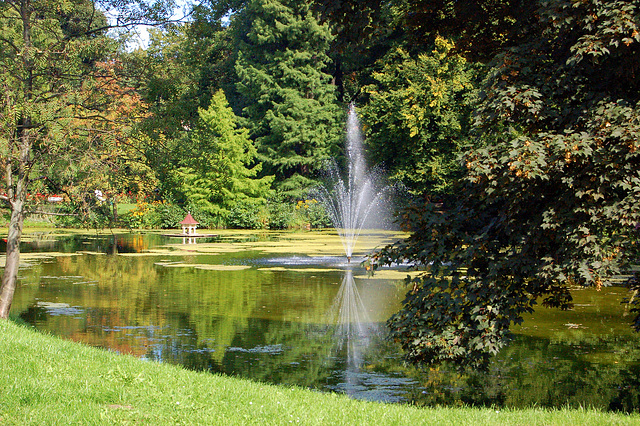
(350, 198)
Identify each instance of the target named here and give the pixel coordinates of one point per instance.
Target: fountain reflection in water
(353, 336)
(349, 315)
(355, 200)
(352, 332)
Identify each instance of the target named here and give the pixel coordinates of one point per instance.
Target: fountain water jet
(350, 200)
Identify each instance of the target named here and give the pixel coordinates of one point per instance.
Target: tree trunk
(22, 165)
(17, 198)
(13, 258)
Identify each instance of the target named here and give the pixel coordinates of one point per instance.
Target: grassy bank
(46, 380)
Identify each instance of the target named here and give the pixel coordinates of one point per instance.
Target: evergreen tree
(286, 94)
(220, 172)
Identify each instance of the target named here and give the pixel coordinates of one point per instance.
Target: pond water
(286, 308)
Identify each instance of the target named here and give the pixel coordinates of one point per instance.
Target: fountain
(350, 200)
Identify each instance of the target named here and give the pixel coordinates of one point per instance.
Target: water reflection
(353, 336)
(352, 328)
(319, 327)
(539, 372)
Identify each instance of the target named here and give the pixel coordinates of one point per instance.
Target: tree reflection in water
(316, 328)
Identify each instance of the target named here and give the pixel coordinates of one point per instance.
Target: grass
(126, 207)
(47, 381)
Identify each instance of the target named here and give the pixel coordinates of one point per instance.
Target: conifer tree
(223, 173)
(285, 93)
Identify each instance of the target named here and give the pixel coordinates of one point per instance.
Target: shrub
(164, 215)
(208, 218)
(316, 215)
(246, 215)
(84, 215)
(158, 214)
(281, 215)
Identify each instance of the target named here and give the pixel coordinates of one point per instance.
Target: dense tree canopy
(285, 91)
(418, 115)
(517, 121)
(551, 195)
(52, 99)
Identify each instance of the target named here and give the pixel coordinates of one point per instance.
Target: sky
(141, 34)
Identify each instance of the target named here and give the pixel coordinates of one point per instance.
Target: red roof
(189, 220)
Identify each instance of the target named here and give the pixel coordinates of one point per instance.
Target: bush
(303, 214)
(281, 215)
(159, 214)
(246, 216)
(311, 214)
(317, 215)
(92, 215)
(207, 218)
(164, 215)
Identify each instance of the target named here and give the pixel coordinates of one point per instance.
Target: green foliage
(247, 216)
(317, 215)
(480, 27)
(303, 214)
(549, 202)
(281, 214)
(220, 172)
(286, 94)
(79, 215)
(170, 82)
(311, 214)
(162, 215)
(418, 116)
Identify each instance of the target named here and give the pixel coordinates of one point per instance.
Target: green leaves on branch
(551, 196)
(418, 115)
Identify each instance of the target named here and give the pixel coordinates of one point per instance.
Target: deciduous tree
(551, 199)
(418, 115)
(48, 53)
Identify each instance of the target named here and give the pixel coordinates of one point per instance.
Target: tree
(418, 116)
(108, 156)
(125, 162)
(286, 95)
(183, 67)
(221, 172)
(478, 28)
(551, 196)
(49, 50)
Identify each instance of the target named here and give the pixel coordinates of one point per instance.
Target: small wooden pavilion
(189, 225)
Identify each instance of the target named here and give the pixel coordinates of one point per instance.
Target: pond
(286, 308)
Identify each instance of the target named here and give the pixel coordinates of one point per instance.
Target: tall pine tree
(285, 92)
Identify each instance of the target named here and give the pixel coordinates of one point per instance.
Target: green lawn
(46, 380)
(126, 207)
